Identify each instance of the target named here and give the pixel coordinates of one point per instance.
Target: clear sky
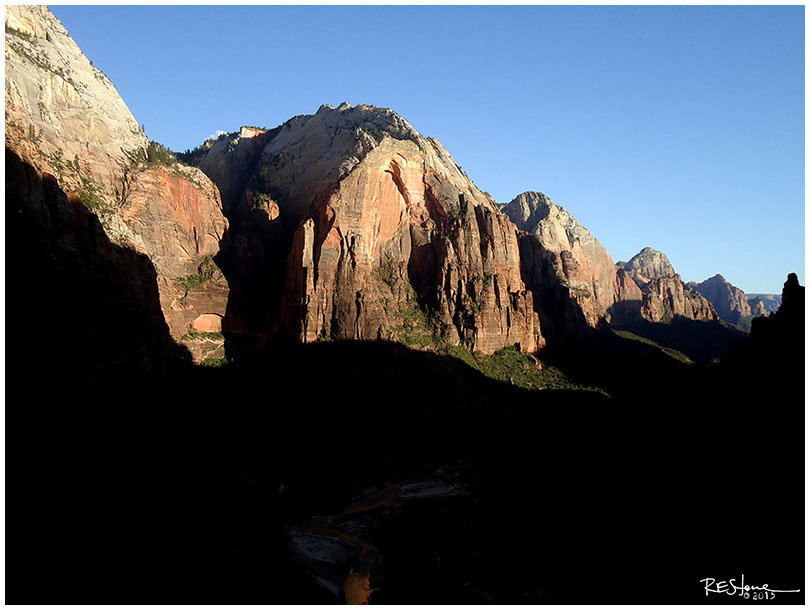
(675, 127)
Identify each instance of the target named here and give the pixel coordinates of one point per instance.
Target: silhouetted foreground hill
(183, 488)
(135, 483)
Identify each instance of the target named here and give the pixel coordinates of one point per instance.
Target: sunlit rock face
(59, 107)
(177, 214)
(567, 262)
(758, 307)
(66, 119)
(729, 301)
(770, 302)
(382, 231)
(649, 265)
(665, 295)
(177, 219)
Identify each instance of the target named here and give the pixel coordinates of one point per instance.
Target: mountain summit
(730, 302)
(368, 223)
(649, 265)
(574, 261)
(665, 294)
(66, 122)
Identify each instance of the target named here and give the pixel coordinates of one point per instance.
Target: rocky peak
(334, 125)
(59, 107)
(66, 120)
(303, 160)
(575, 260)
(389, 217)
(665, 295)
(310, 154)
(528, 209)
(649, 265)
(370, 221)
(729, 301)
(557, 228)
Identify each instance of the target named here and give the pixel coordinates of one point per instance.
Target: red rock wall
(667, 297)
(394, 237)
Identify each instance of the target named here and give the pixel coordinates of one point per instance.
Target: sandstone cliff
(376, 233)
(771, 302)
(61, 111)
(567, 262)
(729, 301)
(66, 119)
(758, 307)
(665, 295)
(254, 246)
(648, 265)
(75, 298)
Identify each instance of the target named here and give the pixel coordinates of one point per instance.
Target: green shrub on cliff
(207, 270)
(197, 336)
(92, 202)
(521, 369)
(214, 362)
(158, 154)
(387, 272)
(89, 193)
(421, 329)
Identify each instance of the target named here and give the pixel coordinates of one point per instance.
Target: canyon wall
(575, 283)
(67, 121)
(665, 295)
(376, 234)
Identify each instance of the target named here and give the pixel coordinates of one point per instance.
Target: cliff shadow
(77, 304)
(85, 338)
(702, 341)
(562, 321)
(253, 253)
(252, 257)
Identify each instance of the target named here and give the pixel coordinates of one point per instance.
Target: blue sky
(675, 127)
